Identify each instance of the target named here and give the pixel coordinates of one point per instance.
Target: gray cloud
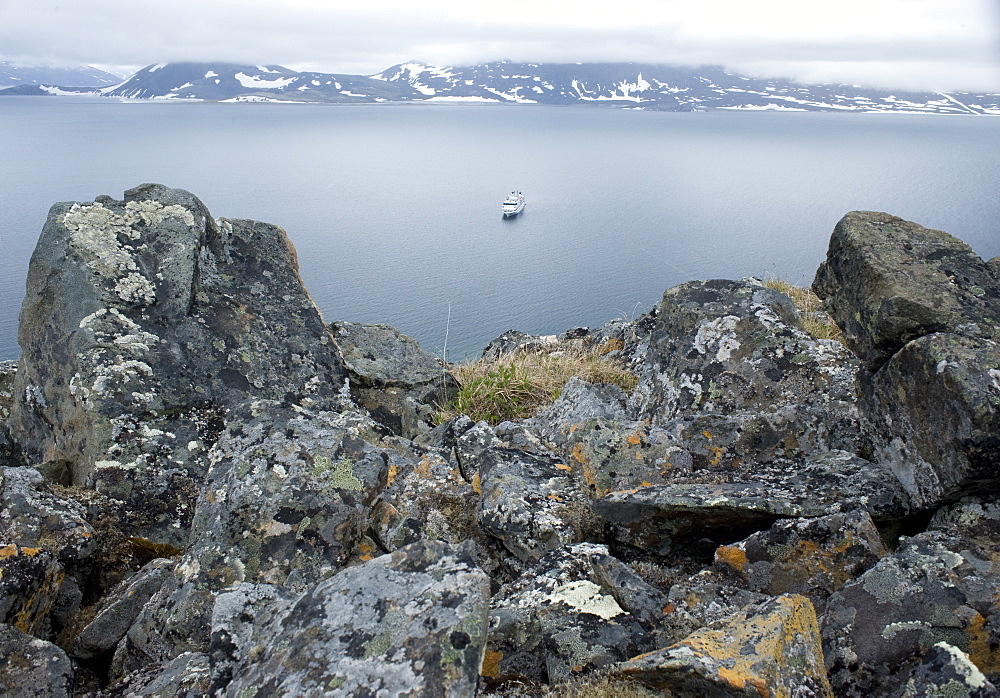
(367, 37)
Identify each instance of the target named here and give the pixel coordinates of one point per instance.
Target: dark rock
(513, 342)
(945, 670)
(934, 416)
(811, 557)
(410, 622)
(661, 519)
(530, 503)
(887, 281)
(772, 648)
(8, 371)
(738, 348)
(145, 321)
(121, 608)
(707, 597)
(33, 667)
(939, 587)
(576, 611)
(288, 498)
(186, 676)
(239, 616)
(30, 580)
(399, 383)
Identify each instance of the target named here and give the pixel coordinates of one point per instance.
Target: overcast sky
(920, 44)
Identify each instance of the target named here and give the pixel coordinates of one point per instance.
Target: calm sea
(395, 209)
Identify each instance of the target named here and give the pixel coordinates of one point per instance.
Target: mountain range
(622, 85)
(12, 75)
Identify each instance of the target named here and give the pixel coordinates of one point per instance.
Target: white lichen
(586, 597)
(720, 333)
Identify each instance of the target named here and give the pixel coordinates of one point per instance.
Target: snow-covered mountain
(629, 85)
(664, 87)
(83, 76)
(229, 82)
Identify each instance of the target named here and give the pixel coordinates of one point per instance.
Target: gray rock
(399, 383)
(145, 321)
(945, 670)
(664, 518)
(409, 623)
(887, 281)
(185, 676)
(811, 557)
(120, 609)
(30, 581)
(33, 667)
(732, 349)
(938, 587)
(288, 498)
(530, 503)
(239, 616)
(933, 411)
(513, 342)
(576, 611)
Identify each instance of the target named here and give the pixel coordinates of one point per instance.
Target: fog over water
(395, 209)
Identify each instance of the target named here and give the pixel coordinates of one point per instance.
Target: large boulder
(577, 610)
(391, 376)
(933, 412)
(288, 498)
(145, 320)
(410, 623)
(766, 649)
(688, 515)
(738, 348)
(940, 586)
(887, 281)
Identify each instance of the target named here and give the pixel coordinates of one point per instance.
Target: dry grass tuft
(809, 305)
(518, 386)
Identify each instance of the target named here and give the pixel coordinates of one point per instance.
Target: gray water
(395, 209)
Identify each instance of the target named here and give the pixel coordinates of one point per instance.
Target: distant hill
(84, 76)
(622, 85)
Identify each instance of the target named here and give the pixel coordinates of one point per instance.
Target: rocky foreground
(209, 491)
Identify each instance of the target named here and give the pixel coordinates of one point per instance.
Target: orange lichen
(491, 664)
(393, 472)
(732, 555)
(984, 656)
(563, 466)
(477, 484)
(579, 453)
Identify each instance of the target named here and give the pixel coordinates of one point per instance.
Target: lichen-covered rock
(945, 670)
(411, 623)
(241, 613)
(934, 416)
(513, 342)
(532, 504)
(938, 587)
(769, 649)
(31, 667)
(810, 557)
(119, 611)
(30, 580)
(8, 370)
(288, 497)
(665, 518)
(736, 347)
(391, 376)
(145, 321)
(887, 281)
(186, 676)
(577, 610)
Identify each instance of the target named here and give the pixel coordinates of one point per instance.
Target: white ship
(513, 204)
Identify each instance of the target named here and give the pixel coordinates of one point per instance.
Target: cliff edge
(207, 490)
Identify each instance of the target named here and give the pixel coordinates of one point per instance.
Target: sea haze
(394, 209)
